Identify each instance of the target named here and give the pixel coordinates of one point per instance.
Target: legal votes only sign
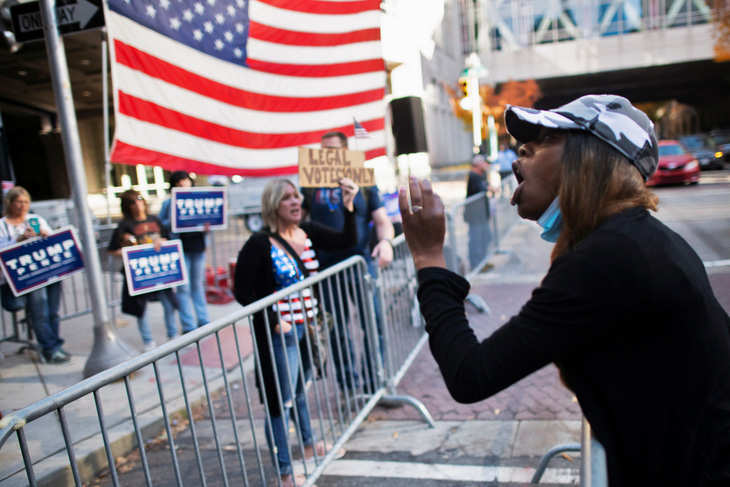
(149, 270)
(323, 168)
(192, 208)
(35, 263)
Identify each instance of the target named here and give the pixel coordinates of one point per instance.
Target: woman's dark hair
(128, 199)
(597, 182)
(178, 176)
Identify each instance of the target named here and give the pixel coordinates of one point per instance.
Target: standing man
(480, 235)
(190, 296)
(324, 205)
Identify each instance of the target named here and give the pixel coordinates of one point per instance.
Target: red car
(676, 165)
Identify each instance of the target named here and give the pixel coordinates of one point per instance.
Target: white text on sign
(41, 258)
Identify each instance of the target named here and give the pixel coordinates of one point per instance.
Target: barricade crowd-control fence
(204, 384)
(152, 416)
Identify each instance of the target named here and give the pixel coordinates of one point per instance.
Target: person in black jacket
(138, 227)
(265, 266)
(626, 310)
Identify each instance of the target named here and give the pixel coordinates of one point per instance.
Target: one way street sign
(71, 16)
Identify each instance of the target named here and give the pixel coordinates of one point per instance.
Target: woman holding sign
(137, 227)
(266, 265)
(42, 304)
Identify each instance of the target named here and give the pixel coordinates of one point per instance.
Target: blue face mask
(551, 222)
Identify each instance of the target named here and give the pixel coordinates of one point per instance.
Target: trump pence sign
(192, 208)
(150, 270)
(37, 262)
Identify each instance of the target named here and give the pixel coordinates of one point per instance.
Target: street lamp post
(474, 70)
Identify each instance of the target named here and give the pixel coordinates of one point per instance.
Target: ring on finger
(416, 208)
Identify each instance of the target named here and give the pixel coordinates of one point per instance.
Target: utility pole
(108, 350)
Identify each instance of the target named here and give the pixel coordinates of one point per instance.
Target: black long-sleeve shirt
(631, 320)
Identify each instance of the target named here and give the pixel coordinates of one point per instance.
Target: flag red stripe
(296, 38)
(148, 111)
(326, 8)
(170, 73)
(129, 154)
(317, 71)
(124, 153)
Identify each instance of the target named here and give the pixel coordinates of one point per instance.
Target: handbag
(323, 322)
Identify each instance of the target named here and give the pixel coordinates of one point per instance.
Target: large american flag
(235, 86)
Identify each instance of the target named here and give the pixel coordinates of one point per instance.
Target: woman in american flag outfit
(264, 266)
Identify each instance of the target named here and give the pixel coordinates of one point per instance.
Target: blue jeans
(287, 371)
(143, 322)
(42, 308)
(192, 295)
(345, 366)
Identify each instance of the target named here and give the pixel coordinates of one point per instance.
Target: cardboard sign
(323, 168)
(37, 262)
(192, 208)
(148, 270)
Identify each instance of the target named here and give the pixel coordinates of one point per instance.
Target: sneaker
(64, 352)
(58, 358)
(150, 346)
(169, 339)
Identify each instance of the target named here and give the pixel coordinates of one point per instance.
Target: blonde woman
(265, 266)
(42, 305)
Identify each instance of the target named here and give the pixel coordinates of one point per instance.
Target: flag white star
(151, 11)
(208, 26)
(219, 44)
(188, 15)
(175, 23)
(228, 35)
(239, 27)
(165, 4)
(199, 8)
(197, 34)
(231, 10)
(219, 18)
(238, 53)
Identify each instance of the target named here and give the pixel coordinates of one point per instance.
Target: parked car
(676, 165)
(722, 139)
(705, 149)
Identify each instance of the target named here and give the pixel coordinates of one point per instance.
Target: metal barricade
(475, 228)
(593, 471)
(176, 394)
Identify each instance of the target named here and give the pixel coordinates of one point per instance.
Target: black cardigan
(254, 280)
(631, 319)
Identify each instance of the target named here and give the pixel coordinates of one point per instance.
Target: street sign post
(72, 16)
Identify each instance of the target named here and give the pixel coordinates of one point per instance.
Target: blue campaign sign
(35, 263)
(192, 208)
(149, 270)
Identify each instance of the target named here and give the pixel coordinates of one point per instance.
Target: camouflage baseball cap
(611, 118)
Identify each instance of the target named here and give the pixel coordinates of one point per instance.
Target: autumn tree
(721, 29)
(520, 93)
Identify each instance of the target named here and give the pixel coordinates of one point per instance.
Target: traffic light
(464, 85)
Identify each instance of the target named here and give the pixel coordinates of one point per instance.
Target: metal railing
(514, 25)
(173, 393)
(475, 228)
